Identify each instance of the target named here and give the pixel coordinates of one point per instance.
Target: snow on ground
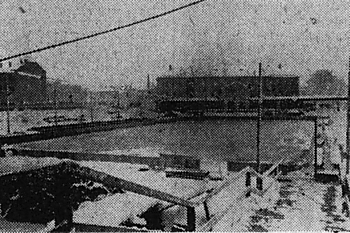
(303, 205)
(151, 178)
(8, 226)
(117, 208)
(15, 164)
(113, 210)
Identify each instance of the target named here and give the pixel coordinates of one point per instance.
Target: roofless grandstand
(224, 93)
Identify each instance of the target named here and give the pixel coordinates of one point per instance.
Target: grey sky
(290, 37)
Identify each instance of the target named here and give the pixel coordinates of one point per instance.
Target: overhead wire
(100, 33)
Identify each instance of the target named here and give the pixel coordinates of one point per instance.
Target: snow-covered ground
(15, 164)
(115, 209)
(297, 205)
(8, 226)
(303, 205)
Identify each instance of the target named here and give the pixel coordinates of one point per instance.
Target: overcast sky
(290, 37)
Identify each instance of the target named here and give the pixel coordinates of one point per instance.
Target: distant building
(127, 97)
(226, 87)
(26, 84)
(105, 97)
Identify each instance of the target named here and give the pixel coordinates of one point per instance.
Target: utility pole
(8, 104)
(118, 105)
(259, 122)
(92, 102)
(348, 125)
(55, 102)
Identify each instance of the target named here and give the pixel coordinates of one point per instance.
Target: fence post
(207, 215)
(248, 182)
(259, 183)
(191, 219)
(247, 179)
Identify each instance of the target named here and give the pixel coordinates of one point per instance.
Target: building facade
(24, 85)
(234, 87)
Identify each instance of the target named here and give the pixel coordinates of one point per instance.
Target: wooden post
(248, 182)
(8, 104)
(348, 126)
(259, 122)
(191, 219)
(315, 148)
(207, 215)
(259, 183)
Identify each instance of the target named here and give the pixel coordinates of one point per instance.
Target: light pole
(348, 125)
(117, 94)
(8, 104)
(55, 103)
(259, 121)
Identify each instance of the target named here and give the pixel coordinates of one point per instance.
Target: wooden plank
(111, 181)
(206, 209)
(268, 172)
(215, 219)
(79, 227)
(226, 183)
(191, 219)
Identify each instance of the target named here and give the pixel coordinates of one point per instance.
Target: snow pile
(230, 203)
(304, 205)
(238, 217)
(242, 208)
(115, 209)
(8, 226)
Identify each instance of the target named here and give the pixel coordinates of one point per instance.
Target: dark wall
(22, 88)
(226, 87)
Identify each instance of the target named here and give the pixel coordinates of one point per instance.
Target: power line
(101, 33)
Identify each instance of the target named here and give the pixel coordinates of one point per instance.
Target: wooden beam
(191, 219)
(267, 173)
(111, 181)
(206, 209)
(216, 218)
(226, 183)
(315, 149)
(348, 126)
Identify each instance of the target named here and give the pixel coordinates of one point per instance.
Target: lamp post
(117, 94)
(348, 125)
(258, 168)
(8, 105)
(55, 103)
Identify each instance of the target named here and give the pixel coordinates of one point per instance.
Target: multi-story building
(226, 87)
(24, 85)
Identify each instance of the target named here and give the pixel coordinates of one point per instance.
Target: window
(10, 64)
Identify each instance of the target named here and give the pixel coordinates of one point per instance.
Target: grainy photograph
(174, 115)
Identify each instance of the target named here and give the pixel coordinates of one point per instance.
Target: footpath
(303, 205)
